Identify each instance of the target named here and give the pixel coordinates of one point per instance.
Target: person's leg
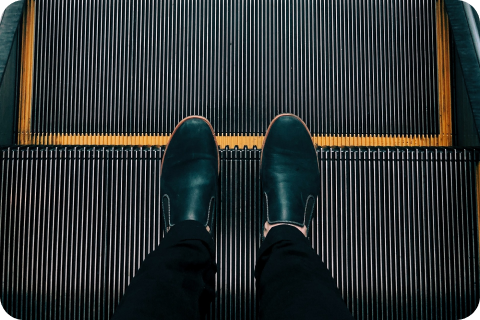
(177, 280)
(292, 281)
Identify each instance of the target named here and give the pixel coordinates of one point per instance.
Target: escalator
(97, 87)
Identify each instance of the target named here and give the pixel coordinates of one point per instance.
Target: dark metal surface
(8, 28)
(347, 67)
(465, 132)
(9, 70)
(396, 227)
(467, 55)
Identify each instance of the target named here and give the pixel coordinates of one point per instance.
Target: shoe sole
(178, 126)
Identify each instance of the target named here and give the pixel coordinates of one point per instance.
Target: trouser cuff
(283, 233)
(189, 230)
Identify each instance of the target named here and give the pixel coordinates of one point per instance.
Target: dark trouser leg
(177, 280)
(292, 280)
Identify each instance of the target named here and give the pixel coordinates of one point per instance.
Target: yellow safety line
(444, 86)
(377, 140)
(26, 73)
(102, 139)
(250, 140)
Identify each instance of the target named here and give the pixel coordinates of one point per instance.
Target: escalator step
(397, 227)
(139, 67)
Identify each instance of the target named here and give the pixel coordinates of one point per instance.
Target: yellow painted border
(444, 85)
(26, 73)
(248, 140)
(25, 137)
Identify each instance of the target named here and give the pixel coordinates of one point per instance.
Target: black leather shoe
(189, 173)
(289, 172)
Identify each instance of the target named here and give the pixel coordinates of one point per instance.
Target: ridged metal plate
(141, 66)
(397, 228)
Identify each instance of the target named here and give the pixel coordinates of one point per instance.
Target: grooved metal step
(397, 227)
(140, 67)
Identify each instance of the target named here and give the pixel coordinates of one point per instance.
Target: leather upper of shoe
(189, 176)
(289, 172)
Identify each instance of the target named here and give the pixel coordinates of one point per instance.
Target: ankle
(269, 226)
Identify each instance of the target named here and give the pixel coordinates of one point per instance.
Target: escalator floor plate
(397, 227)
